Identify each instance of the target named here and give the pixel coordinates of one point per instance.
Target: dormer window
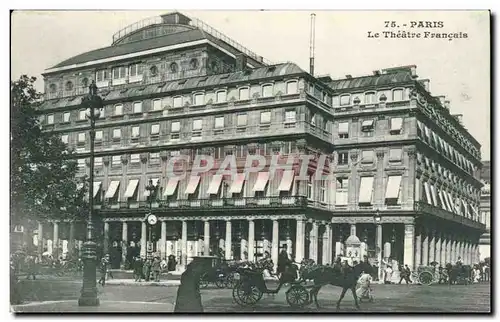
(119, 72)
(221, 96)
(153, 71)
(397, 95)
(135, 69)
(174, 68)
(69, 86)
(267, 90)
(193, 64)
(178, 101)
(199, 99)
(370, 98)
(292, 87)
(244, 93)
(102, 75)
(137, 107)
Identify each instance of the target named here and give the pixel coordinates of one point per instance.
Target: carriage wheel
(203, 281)
(230, 282)
(235, 294)
(247, 294)
(297, 296)
(425, 278)
(220, 282)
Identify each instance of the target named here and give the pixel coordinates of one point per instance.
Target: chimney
(413, 71)
(447, 105)
(442, 99)
(348, 76)
(241, 62)
(458, 117)
(376, 72)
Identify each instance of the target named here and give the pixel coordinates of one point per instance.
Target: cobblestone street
(63, 295)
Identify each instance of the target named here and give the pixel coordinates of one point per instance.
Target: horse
(346, 277)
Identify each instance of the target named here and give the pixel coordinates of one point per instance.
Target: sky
(458, 68)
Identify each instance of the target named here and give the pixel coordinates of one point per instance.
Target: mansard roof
(371, 81)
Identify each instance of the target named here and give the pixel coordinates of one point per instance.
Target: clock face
(152, 219)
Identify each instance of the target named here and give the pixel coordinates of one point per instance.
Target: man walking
(405, 274)
(103, 268)
(138, 269)
(156, 269)
(147, 269)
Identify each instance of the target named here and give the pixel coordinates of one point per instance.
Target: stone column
(418, 250)
(251, 240)
(462, 250)
(442, 259)
(409, 245)
(206, 238)
(40, 241)
(432, 246)
(448, 250)
(275, 245)
(144, 237)
(326, 242)
(228, 240)
(71, 242)
(289, 246)
(55, 241)
(184, 244)
(378, 249)
(299, 241)
(243, 249)
(163, 240)
(106, 238)
(313, 246)
(467, 252)
(425, 249)
(124, 245)
(330, 243)
(453, 258)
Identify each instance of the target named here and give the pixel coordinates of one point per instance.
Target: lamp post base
(88, 296)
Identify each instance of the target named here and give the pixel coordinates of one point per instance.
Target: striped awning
(113, 186)
(132, 186)
(366, 190)
(237, 184)
(192, 185)
(171, 186)
(393, 185)
(286, 180)
(215, 184)
(97, 187)
(261, 182)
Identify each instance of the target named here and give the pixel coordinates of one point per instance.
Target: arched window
(221, 96)
(244, 93)
(292, 87)
(267, 90)
(173, 68)
(199, 99)
(345, 100)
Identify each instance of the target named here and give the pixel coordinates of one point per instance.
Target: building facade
(485, 241)
(404, 171)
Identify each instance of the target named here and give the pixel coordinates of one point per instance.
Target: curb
(132, 282)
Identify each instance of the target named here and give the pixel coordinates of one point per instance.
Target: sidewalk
(104, 307)
(143, 283)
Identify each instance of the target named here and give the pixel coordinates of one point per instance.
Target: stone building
(485, 241)
(405, 170)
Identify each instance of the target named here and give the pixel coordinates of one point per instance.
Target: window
(367, 156)
(197, 125)
(310, 188)
(344, 130)
(175, 128)
(199, 99)
(343, 158)
(138, 107)
(341, 192)
(81, 137)
(98, 161)
(82, 115)
(135, 132)
(157, 105)
(370, 98)
(117, 134)
(98, 136)
(81, 163)
(154, 158)
(221, 96)
(178, 101)
(265, 117)
(241, 120)
(395, 154)
(50, 119)
(367, 126)
(393, 190)
(102, 75)
(66, 117)
(292, 88)
(135, 69)
(290, 118)
(173, 68)
(155, 129)
(267, 90)
(119, 72)
(322, 193)
(135, 158)
(366, 191)
(244, 93)
(65, 138)
(116, 160)
(345, 100)
(101, 116)
(118, 109)
(396, 125)
(69, 86)
(397, 95)
(219, 122)
(335, 101)
(312, 119)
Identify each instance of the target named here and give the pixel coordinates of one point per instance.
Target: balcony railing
(210, 204)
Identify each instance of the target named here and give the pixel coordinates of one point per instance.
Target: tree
(43, 171)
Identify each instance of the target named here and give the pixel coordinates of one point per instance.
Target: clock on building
(152, 219)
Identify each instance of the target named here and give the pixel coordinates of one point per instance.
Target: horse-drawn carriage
(221, 274)
(251, 286)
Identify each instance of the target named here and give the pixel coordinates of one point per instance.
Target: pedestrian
(283, 261)
(405, 274)
(171, 264)
(147, 269)
(388, 275)
(103, 268)
(364, 286)
(138, 269)
(156, 269)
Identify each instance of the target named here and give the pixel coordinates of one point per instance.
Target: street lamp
(151, 218)
(378, 245)
(88, 296)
